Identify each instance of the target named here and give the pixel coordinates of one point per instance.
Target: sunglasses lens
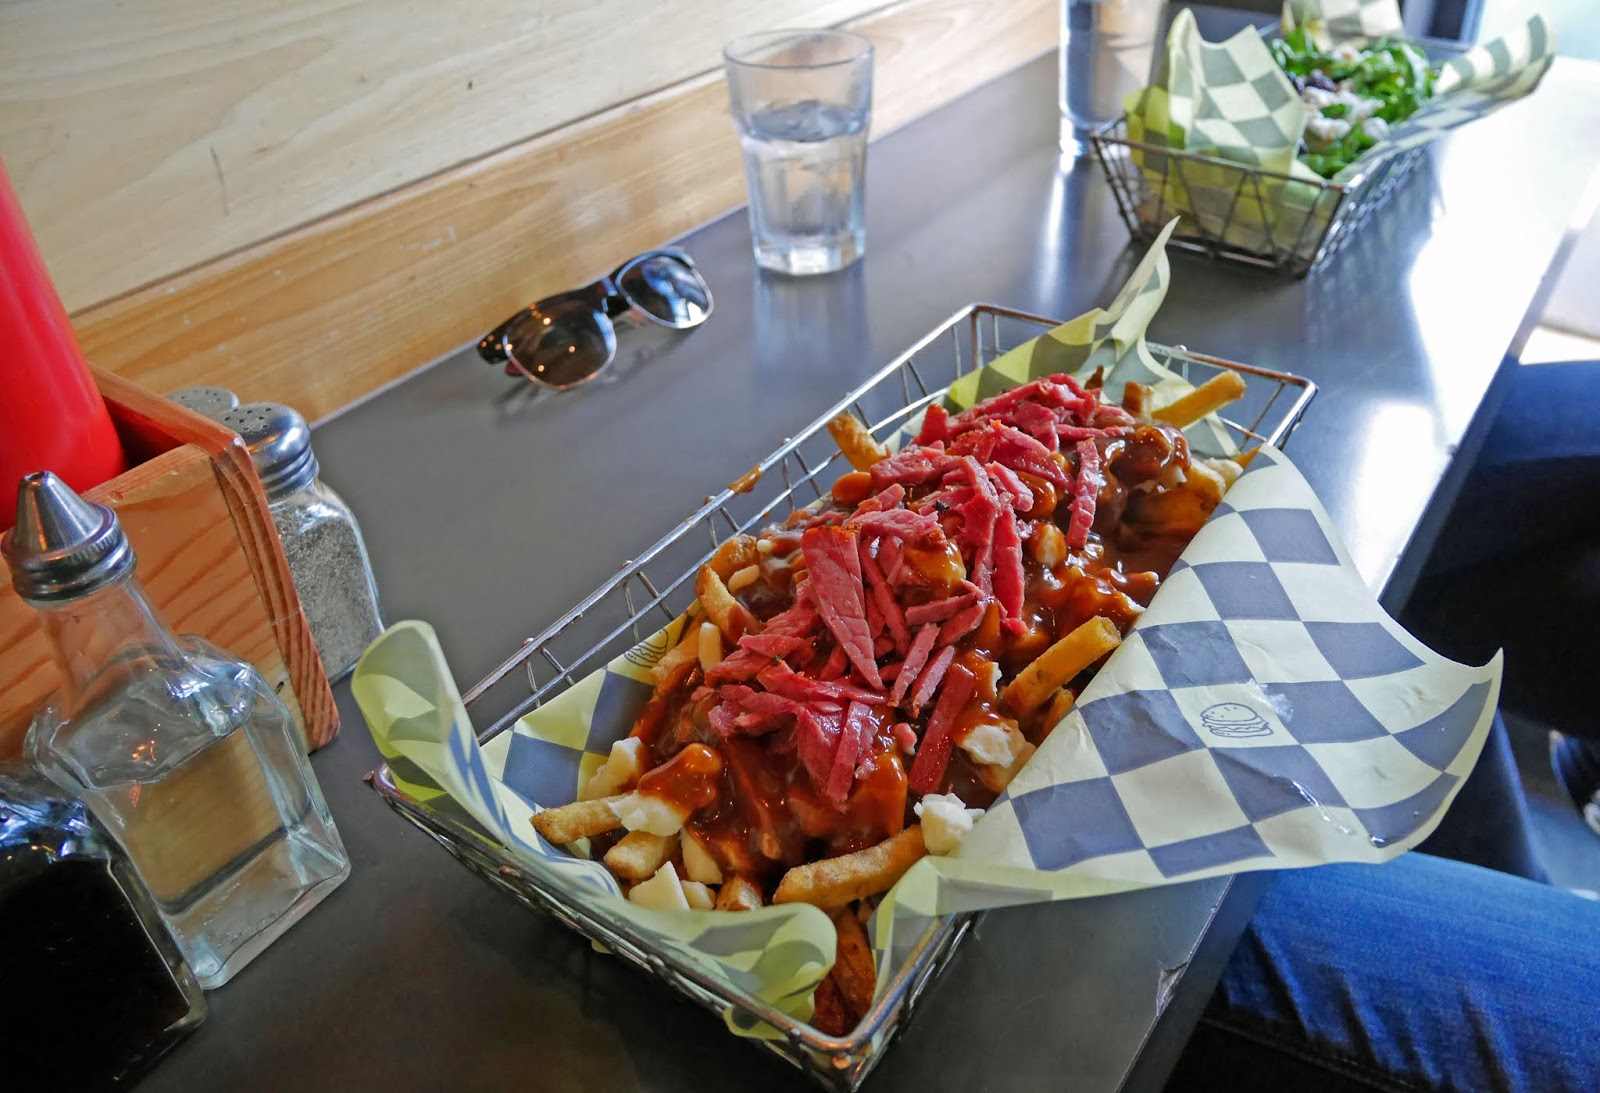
(669, 290)
(561, 344)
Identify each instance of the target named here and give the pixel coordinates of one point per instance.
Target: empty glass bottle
(181, 750)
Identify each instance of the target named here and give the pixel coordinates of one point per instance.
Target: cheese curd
(698, 864)
(709, 648)
(945, 819)
(744, 578)
(662, 892)
(992, 743)
(623, 769)
(642, 812)
(697, 895)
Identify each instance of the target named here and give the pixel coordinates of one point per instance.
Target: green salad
(1354, 93)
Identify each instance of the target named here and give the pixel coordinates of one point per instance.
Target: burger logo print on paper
(1234, 719)
(648, 651)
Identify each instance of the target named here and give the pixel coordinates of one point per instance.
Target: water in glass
(806, 166)
(801, 103)
(1106, 52)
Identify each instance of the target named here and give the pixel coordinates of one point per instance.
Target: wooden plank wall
(303, 201)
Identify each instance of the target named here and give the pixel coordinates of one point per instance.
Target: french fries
(856, 441)
(1136, 398)
(854, 970)
(567, 824)
(1209, 397)
(734, 555)
(1056, 666)
(834, 882)
(1183, 509)
(639, 854)
(828, 1012)
(680, 657)
(738, 894)
(730, 616)
(1060, 703)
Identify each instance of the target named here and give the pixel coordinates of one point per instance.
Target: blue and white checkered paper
(1265, 713)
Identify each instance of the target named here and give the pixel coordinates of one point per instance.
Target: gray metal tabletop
(488, 516)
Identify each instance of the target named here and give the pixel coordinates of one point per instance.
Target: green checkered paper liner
(1230, 101)
(1263, 714)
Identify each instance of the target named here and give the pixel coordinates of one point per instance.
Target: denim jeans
(1423, 973)
(1517, 566)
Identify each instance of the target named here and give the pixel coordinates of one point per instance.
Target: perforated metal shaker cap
(213, 402)
(280, 445)
(62, 546)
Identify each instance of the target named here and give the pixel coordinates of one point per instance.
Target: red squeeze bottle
(52, 417)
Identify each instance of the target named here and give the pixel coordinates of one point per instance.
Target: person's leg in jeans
(1420, 974)
(1517, 565)
(1534, 484)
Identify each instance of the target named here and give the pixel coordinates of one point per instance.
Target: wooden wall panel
(327, 313)
(148, 136)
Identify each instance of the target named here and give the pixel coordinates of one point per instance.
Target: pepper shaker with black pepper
(327, 556)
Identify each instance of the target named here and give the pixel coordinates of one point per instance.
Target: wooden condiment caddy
(208, 558)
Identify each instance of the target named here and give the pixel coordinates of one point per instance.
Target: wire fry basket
(656, 587)
(1237, 211)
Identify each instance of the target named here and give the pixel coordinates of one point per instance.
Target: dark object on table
(568, 339)
(90, 981)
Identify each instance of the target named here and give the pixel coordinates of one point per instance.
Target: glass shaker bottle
(182, 751)
(90, 980)
(321, 539)
(1106, 52)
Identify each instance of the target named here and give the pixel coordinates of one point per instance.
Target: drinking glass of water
(1107, 47)
(801, 102)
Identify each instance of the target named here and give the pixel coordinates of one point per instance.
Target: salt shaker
(327, 556)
